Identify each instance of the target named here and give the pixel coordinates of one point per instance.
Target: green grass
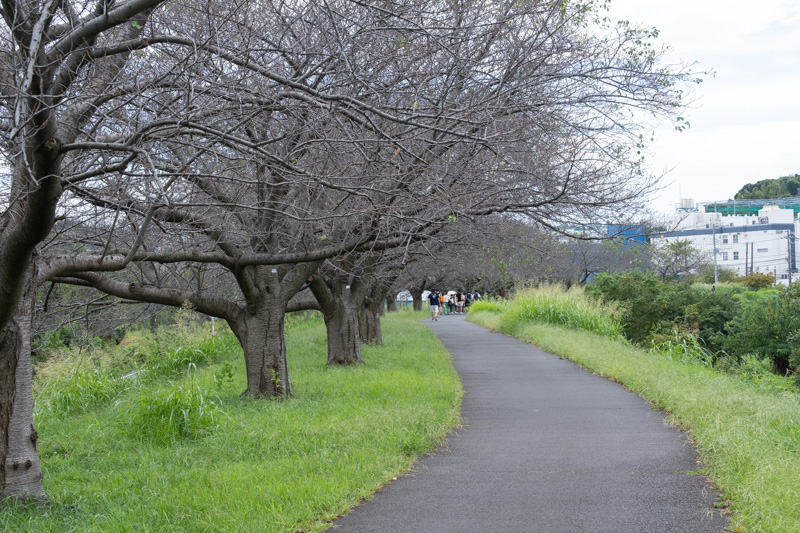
(554, 305)
(275, 466)
(748, 434)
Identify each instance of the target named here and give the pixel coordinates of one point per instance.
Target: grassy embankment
(747, 429)
(178, 449)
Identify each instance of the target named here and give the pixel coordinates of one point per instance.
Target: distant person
(433, 301)
(451, 302)
(467, 300)
(476, 296)
(460, 302)
(445, 302)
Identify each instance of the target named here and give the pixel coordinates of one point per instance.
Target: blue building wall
(631, 233)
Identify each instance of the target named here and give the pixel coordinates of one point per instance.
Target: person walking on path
(459, 302)
(433, 301)
(544, 447)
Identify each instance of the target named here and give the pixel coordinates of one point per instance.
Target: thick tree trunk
(261, 335)
(20, 471)
(344, 337)
(370, 321)
(391, 301)
(339, 302)
(416, 296)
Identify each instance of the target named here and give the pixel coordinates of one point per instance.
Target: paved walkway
(545, 447)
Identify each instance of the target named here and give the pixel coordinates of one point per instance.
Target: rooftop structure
(750, 207)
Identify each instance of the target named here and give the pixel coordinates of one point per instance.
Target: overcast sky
(745, 125)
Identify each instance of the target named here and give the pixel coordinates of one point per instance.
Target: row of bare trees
(279, 146)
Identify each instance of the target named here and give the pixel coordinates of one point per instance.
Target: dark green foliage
(654, 311)
(766, 326)
(729, 321)
(713, 310)
(639, 296)
(705, 274)
(771, 188)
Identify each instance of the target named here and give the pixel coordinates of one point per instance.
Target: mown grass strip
(273, 466)
(749, 437)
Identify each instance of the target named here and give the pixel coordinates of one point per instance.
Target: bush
(638, 295)
(756, 281)
(765, 326)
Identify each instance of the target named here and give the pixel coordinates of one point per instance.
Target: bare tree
(267, 137)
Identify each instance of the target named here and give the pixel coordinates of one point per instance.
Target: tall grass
(746, 429)
(570, 308)
(99, 377)
(175, 413)
(80, 390)
(684, 349)
(273, 466)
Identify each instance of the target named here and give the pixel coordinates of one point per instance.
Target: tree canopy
(770, 188)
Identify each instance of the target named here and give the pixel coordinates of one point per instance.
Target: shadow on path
(545, 447)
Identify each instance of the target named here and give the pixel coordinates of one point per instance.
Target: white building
(762, 243)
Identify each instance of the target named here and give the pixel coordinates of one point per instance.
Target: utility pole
(789, 254)
(746, 257)
(714, 239)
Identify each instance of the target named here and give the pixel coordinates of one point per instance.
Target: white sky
(745, 121)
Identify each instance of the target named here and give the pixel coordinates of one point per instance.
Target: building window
(724, 239)
(762, 250)
(735, 238)
(735, 256)
(724, 256)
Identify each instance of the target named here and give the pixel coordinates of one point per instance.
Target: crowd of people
(451, 302)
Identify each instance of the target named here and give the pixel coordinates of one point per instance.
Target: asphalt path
(545, 447)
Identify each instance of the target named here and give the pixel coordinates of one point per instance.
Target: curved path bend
(545, 447)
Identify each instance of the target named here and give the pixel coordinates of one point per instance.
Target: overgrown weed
(571, 308)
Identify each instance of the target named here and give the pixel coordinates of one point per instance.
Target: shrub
(765, 326)
(638, 295)
(756, 281)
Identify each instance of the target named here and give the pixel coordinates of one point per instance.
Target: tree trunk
(20, 471)
(339, 303)
(416, 296)
(391, 301)
(261, 334)
(344, 337)
(370, 321)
